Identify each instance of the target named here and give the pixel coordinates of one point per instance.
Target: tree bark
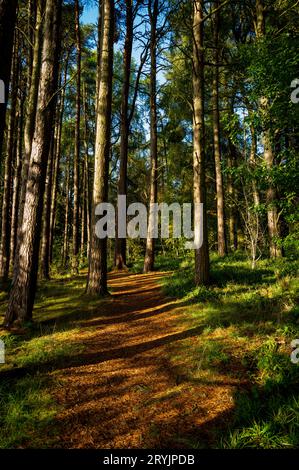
(8, 14)
(31, 104)
(150, 241)
(86, 169)
(83, 212)
(9, 162)
(65, 247)
(271, 196)
(221, 232)
(57, 156)
(25, 274)
(97, 275)
(232, 222)
(199, 183)
(75, 260)
(45, 245)
(16, 186)
(120, 243)
(252, 161)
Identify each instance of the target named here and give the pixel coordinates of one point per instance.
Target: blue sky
(90, 14)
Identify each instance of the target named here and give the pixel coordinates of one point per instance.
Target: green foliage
(27, 413)
(247, 321)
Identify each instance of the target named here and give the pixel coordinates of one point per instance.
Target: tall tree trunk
(120, 243)
(83, 212)
(86, 169)
(31, 104)
(222, 247)
(97, 275)
(264, 105)
(16, 186)
(149, 259)
(75, 259)
(271, 197)
(10, 153)
(232, 222)
(45, 245)
(31, 18)
(252, 161)
(199, 188)
(65, 246)
(8, 10)
(57, 155)
(23, 289)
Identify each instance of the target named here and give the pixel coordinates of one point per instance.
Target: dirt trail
(129, 392)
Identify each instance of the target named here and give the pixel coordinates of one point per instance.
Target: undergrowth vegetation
(248, 319)
(27, 407)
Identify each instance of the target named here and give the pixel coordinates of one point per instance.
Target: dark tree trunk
(222, 247)
(9, 162)
(199, 190)
(65, 246)
(75, 259)
(31, 103)
(120, 243)
(45, 245)
(86, 193)
(232, 220)
(97, 275)
(8, 10)
(149, 259)
(16, 186)
(264, 105)
(57, 156)
(23, 289)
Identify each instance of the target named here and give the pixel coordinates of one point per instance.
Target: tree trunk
(45, 266)
(8, 10)
(75, 259)
(150, 241)
(83, 212)
(65, 247)
(31, 104)
(9, 162)
(232, 222)
(222, 247)
(86, 169)
(271, 196)
(199, 183)
(120, 243)
(16, 186)
(252, 161)
(57, 155)
(97, 275)
(25, 274)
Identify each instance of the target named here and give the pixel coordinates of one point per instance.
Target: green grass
(27, 408)
(27, 413)
(248, 319)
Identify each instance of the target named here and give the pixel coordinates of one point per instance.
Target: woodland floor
(144, 370)
(128, 393)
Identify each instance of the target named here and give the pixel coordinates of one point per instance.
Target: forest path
(127, 390)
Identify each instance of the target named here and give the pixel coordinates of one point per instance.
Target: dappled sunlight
(143, 369)
(124, 375)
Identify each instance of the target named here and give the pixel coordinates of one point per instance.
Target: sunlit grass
(246, 320)
(27, 413)
(27, 407)
(249, 319)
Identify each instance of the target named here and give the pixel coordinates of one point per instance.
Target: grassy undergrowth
(27, 407)
(248, 320)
